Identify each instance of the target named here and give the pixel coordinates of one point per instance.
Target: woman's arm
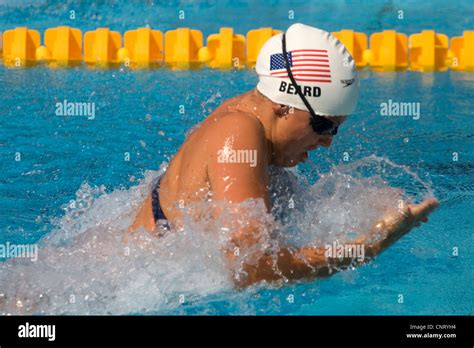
(312, 262)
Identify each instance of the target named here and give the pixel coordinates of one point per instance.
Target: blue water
(74, 158)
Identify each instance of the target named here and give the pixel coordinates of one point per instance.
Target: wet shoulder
(238, 124)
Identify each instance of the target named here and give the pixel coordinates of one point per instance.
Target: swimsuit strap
(155, 202)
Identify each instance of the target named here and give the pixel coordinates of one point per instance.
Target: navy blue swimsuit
(155, 202)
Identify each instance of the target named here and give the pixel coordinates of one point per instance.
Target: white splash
(86, 266)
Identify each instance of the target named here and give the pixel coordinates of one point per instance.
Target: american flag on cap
(308, 65)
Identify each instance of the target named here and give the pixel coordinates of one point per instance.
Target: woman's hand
(311, 261)
(396, 224)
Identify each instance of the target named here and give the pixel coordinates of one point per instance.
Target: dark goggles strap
(290, 75)
(316, 118)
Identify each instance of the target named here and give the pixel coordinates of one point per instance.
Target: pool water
(74, 183)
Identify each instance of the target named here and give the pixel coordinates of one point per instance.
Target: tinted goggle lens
(323, 126)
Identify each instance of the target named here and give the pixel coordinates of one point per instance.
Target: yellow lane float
(255, 40)
(19, 47)
(101, 47)
(388, 51)
(462, 51)
(64, 46)
(356, 43)
(143, 48)
(428, 51)
(182, 48)
(224, 50)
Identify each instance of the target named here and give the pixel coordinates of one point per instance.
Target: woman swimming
(276, 123)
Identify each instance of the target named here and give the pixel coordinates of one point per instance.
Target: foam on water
(343, 203)
(90, 265)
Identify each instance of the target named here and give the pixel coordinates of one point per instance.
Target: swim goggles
(320, 124)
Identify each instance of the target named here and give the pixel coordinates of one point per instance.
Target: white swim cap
(321, 66)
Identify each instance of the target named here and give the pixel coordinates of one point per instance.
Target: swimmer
(308, 85)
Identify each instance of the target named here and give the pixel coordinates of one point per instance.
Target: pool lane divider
(183, 48)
